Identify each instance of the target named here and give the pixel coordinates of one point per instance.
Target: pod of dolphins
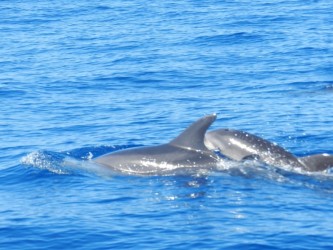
(195, 148)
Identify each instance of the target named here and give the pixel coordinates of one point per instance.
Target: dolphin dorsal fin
(193, 137)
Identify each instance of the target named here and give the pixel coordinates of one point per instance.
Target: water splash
(60, 163)
(47, 160)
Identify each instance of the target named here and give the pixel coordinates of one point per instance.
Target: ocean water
(80, 79)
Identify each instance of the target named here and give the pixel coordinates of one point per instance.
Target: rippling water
(78, 80)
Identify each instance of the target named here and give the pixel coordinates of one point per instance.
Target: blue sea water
(79, 79)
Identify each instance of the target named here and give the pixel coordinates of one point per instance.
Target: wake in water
(71, 163)
(194, 153)
(78, 162)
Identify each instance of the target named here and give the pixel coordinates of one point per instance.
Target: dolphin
(239, 145)
(186, 151)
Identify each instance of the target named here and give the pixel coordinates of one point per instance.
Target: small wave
(230, 39)
(8, 93)
(312, 86)
(329, 87)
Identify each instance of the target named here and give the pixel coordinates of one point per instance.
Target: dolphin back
(317, 162)
(185, 151)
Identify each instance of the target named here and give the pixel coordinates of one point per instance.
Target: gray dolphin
(239, 145)
(185, 151)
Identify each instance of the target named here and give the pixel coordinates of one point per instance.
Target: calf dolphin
(185, 151)
(239, 145)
